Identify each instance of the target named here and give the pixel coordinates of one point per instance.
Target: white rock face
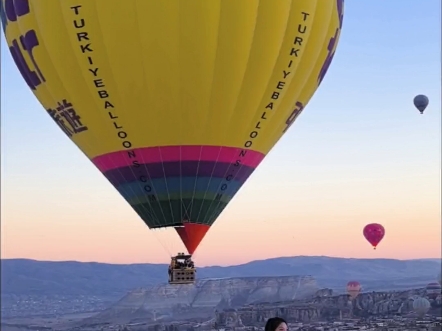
(213, 294)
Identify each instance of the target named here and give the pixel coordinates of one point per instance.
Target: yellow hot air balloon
(176, 102)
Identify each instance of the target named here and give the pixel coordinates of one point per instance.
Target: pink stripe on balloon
(120, 159)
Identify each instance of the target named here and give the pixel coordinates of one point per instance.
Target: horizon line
(219, 266)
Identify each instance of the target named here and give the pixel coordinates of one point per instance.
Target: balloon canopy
(421, 306)
(374, 233)
(175, 102)
(433, 290)
(353, 289)
(421, 102)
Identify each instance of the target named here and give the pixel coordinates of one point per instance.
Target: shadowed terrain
(61, 295)
(29, 277)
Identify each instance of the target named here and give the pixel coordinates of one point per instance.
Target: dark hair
(273, 323)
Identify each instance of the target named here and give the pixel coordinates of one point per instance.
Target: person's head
(276, 324)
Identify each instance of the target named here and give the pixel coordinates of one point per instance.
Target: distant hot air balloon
(414, 297)
(421, 306)
(374, 233)
(433, 290)
(421, 102)
(353, 289)
(175, 102)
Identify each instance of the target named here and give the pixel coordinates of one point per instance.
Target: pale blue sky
(359, 153)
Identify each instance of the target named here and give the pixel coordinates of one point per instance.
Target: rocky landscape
(318, 306)
(328, 308)
(201, 299)
(87, 296)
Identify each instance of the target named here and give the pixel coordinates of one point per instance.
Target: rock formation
(235, 302)
(326, 307)
(209, 294)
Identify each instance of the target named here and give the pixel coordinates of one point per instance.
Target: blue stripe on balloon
(171, 185)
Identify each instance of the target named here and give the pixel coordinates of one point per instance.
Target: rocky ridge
(209, 294)
(305, 306)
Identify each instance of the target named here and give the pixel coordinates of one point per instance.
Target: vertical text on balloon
(294, 52)
(102, 92)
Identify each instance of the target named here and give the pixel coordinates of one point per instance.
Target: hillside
(29, 277)
(182, 301)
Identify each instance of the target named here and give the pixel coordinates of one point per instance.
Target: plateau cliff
(167, 301)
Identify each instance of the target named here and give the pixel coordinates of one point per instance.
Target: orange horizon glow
(229, 242)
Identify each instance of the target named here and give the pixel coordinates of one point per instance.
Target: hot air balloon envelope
(421, 102)
(374, 233)
(421, 306)
(433, 290)
(353, 289)
(175, 102)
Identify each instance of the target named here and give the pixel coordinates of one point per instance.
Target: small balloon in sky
(421, 102)
(374, 233)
